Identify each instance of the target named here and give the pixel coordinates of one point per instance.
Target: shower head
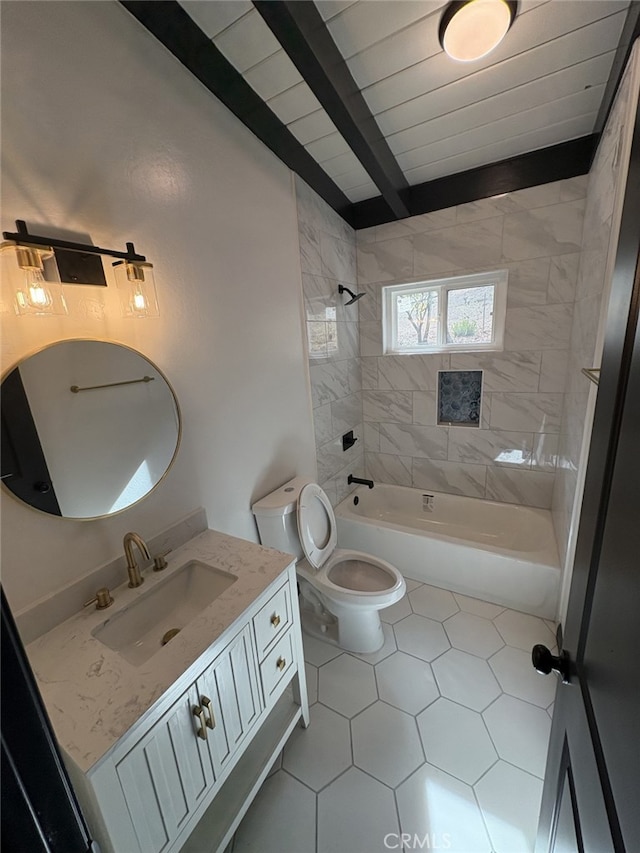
(354, 296)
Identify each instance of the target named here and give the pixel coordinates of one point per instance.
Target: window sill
(441, 350)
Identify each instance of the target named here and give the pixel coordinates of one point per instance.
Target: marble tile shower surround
(601, 227)
(536, 234)
(328, 259)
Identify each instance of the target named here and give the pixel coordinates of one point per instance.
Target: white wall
(105, 133)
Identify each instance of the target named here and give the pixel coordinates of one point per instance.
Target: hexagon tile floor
(441, 735)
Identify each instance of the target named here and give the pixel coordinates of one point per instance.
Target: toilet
(341, 591)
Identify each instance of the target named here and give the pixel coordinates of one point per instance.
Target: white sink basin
(137, 632)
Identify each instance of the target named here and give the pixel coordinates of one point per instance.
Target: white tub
(498, 552)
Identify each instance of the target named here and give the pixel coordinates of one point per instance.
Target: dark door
(591, 798)
(40, 813)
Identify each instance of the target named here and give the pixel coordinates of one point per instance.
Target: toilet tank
(277, 519)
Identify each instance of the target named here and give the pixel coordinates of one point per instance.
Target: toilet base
(359, 630)
(352, 629)
(318, 629)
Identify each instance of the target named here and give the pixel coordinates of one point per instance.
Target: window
(463, 313)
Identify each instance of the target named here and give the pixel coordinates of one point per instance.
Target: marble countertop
(93, 695)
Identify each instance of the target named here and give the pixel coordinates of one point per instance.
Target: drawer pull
(206, 704)
(199, 713)
(281, 663)
(275, 620)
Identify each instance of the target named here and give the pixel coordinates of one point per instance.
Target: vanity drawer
(272, 620)
(276, 665)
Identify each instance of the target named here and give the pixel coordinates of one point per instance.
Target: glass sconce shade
(136, 289)
(32, 275)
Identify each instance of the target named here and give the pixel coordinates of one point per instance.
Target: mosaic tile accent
(459, 397)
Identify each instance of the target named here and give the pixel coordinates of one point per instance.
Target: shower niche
(459, 397)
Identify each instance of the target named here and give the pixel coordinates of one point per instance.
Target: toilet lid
(316, 525)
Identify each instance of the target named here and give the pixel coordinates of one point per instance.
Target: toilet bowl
(341, 591)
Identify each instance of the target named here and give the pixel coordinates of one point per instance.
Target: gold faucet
(131, 539)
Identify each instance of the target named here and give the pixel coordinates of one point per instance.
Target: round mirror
(88, 428)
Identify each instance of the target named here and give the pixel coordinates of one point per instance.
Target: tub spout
(352, 479)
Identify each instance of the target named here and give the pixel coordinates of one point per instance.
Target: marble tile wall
(536, 234)
(601, 225)
(328, 259)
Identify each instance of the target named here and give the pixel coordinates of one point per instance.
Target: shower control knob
(544, 662)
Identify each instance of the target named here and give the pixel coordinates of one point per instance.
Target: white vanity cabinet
(164, 779)
(228, 700)
(184, 777)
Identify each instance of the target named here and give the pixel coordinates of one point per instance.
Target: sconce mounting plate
(79, 267)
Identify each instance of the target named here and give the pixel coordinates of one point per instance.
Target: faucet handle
(102, 599)
(159, 562)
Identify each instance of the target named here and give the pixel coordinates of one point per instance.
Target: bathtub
(498, 552)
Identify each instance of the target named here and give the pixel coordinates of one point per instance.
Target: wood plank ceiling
(427, 117)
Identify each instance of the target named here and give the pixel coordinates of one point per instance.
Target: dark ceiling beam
(630, 32)
(173, 27)
(298, 26)
(555, 163)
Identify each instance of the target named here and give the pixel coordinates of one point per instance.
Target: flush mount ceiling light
(470, 29)
(43, 264)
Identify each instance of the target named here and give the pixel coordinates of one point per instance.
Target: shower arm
(354, 296)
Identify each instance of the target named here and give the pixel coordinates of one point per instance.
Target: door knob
(544, 662)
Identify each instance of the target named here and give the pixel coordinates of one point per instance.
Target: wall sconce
(43, 264)
(136, 288)
(34, 278)
(470, 29)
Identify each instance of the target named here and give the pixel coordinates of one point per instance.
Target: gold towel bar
(76, 390)
(592, 373)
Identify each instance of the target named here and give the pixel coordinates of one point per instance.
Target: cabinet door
(167, 775)
(231, 685)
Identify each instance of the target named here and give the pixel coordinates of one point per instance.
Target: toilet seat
(316, 525)
(350, 577)
(347, 595)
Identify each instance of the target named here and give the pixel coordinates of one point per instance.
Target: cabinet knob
(206, 704)
(275, 620)
(281, 663)
(199, 713)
